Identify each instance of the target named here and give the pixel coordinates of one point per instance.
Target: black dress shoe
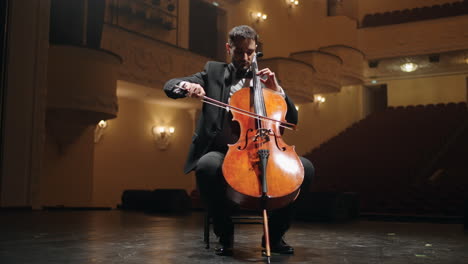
(279, 247)
(224, 251)
(225, 247)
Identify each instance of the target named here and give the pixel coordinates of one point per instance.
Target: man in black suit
(215, 130)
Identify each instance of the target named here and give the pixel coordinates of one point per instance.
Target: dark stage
(116, 236)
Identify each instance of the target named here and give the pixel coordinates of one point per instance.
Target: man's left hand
(270, 81)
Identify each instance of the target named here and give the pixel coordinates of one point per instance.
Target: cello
(261, 170)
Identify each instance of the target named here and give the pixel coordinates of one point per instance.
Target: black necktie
(241, 74)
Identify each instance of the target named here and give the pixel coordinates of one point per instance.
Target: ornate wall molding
(83, 79)
(426, 37)
(328, 66)
(147, 61)
(296, 77)
(353, 63)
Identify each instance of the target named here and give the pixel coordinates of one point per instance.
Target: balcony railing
(416, 14)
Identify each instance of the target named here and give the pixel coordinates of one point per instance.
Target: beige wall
(68, 163)
(320, 122)
(25, 102)
(287, 30)
(433, 90)
(127, 156)
(81, 92)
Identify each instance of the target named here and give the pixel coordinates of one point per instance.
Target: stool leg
(267, 235)
(206, 234)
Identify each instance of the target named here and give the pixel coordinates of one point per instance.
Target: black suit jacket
(215, 80)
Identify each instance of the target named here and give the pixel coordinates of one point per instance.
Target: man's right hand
(194, 90)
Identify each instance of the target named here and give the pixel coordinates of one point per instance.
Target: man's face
(242, 53)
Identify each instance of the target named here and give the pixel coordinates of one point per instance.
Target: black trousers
(212, 188)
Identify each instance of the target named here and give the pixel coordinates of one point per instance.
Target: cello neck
(259, 103)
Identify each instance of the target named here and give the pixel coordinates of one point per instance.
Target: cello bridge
(263, 134)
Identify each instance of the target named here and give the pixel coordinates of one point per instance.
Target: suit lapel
(226, 84)
(218, 91)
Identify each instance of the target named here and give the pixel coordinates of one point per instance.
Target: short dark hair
(242, 32)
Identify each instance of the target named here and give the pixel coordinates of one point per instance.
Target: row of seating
(416, 14)
(383, 158)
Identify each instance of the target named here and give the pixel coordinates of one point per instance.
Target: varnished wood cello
(262, 172)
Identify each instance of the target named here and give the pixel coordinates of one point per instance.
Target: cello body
(242, 167)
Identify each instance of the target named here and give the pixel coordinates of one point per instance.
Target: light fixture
(319, 99)
(374, 81)
(102, 124)
(258, 16)
(409, 67)
(297, 107)
(99, 130)
(292, 3)
(162, 135)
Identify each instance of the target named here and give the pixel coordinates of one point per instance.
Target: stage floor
(132, 237)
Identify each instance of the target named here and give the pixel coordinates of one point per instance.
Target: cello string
(254, 69)
(259, 100)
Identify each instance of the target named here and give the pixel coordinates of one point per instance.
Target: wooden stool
(237, 219)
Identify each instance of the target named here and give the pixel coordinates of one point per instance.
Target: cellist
(215, 130)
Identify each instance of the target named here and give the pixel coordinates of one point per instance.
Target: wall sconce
(292, 3)
(162, 135)
(319, 99)
(99, 130)
(258, 16)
